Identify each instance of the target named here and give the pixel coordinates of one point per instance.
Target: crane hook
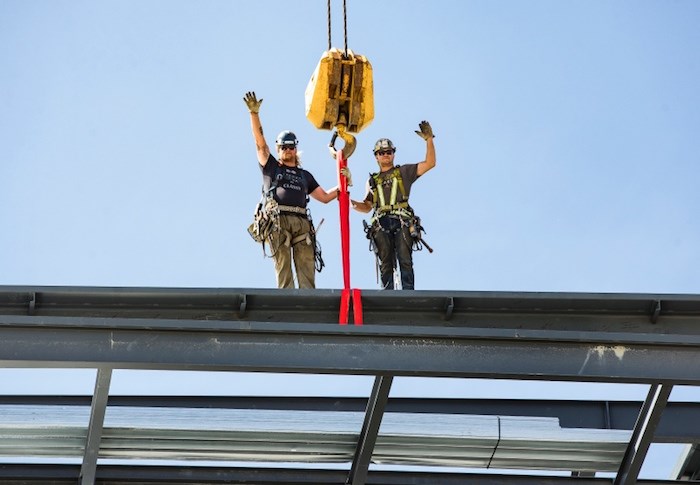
(350, 142)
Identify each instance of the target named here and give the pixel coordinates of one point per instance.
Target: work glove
(346, 172)
(425, 130)
(252, 102)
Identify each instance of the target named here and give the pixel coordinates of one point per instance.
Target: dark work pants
(394, 242)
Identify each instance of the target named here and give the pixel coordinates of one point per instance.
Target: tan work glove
(346, 172)
(425, 130)
(252, 102)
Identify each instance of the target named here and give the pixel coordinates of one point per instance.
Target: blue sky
(567, 146)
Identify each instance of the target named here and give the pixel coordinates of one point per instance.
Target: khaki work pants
(302, 253)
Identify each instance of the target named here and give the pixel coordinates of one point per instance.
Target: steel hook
(350, 143)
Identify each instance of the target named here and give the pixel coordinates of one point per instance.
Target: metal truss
(644, 339)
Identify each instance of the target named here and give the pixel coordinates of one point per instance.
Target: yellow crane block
(340, 93)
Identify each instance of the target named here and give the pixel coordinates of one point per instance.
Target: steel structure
(645, 339)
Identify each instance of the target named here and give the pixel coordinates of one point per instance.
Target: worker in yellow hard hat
(395, 231)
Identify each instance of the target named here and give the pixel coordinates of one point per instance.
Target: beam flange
(125, 343)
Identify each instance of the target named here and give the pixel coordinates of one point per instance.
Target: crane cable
(345, 26)
(348, 294)
(341, 124)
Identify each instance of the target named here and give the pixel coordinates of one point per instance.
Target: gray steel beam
(41, 341)
(643, 434)
(160, 475)
(635, 313)
(95, 426)
(370, 429)
(652, 339)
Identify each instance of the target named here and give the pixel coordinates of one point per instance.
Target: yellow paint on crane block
(341, 92)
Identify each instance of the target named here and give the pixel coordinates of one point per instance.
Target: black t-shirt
(293, 183)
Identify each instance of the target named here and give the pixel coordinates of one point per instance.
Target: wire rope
(345, 26)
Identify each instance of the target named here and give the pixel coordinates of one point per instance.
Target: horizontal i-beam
(132, 343)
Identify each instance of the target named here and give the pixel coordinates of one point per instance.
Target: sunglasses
(385, 152)
(288, 147)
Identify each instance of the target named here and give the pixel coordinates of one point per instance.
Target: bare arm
(430, 161)
(261, 147)
(364, 206)
(324, 196)
(426, 133)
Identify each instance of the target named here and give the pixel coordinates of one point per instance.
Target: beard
(288, 157)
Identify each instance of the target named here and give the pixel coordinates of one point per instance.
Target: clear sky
(567, 140)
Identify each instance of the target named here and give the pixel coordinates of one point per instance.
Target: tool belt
(265, 220)
(408, 220)
(266, 229)
(400, 211)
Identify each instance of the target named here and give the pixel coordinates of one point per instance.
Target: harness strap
(392, 207)
(396, 186)
(293, 209)
(289, 241)
(303, 237)
(378, 194)
(400, 182)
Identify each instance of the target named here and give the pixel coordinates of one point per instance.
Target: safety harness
(266, 222)
(395, 207)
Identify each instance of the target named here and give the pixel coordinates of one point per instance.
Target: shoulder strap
(373, 180)
(397, 175)
(273, 183)
(374, 185)
(304, 183)
(393, 205)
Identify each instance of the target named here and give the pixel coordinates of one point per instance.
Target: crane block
(341, 92)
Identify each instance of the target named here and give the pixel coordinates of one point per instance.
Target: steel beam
(370, 429)
(161, 475)
(94, 434)
(599, 312)
(643, 434)
(627, 338)
(126, 343)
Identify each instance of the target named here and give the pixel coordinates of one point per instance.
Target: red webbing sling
(347, 294)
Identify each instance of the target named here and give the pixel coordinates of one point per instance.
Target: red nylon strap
(344, 205)
(346, 296)
(357, 306)
(344, 306)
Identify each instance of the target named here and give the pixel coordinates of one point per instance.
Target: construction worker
(394, 229)
(291, 234)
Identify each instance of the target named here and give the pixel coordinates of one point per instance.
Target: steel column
(370, 429)
(643, 434)
(98, 410)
